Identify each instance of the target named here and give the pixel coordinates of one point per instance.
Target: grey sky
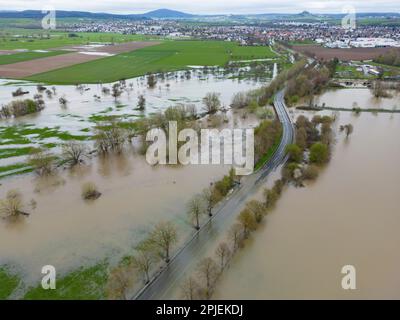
(206, 6)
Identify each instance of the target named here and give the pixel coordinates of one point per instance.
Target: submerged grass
(86, 283)
(8, 283)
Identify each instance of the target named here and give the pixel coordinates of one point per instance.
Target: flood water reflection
(349, 216)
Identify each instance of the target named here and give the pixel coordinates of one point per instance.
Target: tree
(63, 101)
(73, 153)
(348, 129)
(301, 137)
(12, 205)
(119, 281)
(310, 172)
(195, 210)
(207, 270)
(151, 81)
(42, 162)
(141, 102)
(210, 197)
(319, 153)
(144, 259)
(257, 208)
(163, 237)
(116, 90)
(240, 100)
(235, 236)
(223, 252)
(211, 102)
(295, 153)
(190, 288)
(248, 222)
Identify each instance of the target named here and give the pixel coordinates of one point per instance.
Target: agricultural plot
(26, 56)
(168, 56)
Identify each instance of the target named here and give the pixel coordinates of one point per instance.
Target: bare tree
(116, 90)
(207, 270)
(163, 237)
(151, 81)
(190, 289)
(210, 197)
(211, 102)
(144, 259)
(63, 101)
(195, 210)
(348, 129)
(235, 236)
(141, 102)
(73, 152)
(223, 252)
(120, 280)
(42, 162)
(12, 205)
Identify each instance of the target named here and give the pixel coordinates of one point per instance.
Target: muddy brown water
(349, 216)
(67, 232)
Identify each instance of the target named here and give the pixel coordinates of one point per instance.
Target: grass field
(26, 56)
(11, 39)
(8, 283)
(168, 56)
(83, 284)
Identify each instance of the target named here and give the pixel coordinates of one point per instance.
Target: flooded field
(65, 231)
(89, 105)
(357, 98)
(349, 216)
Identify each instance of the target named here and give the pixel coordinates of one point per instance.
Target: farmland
(12, 39)
(168, 56)
(27, 56)
(356, 54)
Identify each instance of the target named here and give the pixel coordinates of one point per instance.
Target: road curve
(189, 255)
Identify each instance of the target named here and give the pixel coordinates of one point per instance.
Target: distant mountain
(167, 14)
(37, 14)
(172, 14)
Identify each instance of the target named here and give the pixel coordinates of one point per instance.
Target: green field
(25, 56)
(83, 284)
(11, 39)
(8, 283)
(168, 56)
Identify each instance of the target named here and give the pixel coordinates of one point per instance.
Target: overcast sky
(206, 6)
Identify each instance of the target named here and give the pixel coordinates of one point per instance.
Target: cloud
(204, 6)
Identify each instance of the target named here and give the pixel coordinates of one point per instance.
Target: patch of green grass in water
(8, 283)
(86, 283)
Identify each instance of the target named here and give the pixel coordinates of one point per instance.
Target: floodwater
(176, 88)
(65, 231)
(349, 216)
(358, 98)
(87, 103)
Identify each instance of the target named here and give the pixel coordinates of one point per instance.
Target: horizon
(203, 14)
(235, 7)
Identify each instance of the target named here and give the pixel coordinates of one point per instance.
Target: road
(180, 265)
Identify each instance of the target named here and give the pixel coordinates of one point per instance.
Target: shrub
(319, 153)
(89, 191)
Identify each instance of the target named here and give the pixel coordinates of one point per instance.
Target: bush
(319, 153)
(20, 108)
(90, 192)
(310, 173)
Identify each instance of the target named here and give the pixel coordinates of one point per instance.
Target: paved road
(180, 265)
